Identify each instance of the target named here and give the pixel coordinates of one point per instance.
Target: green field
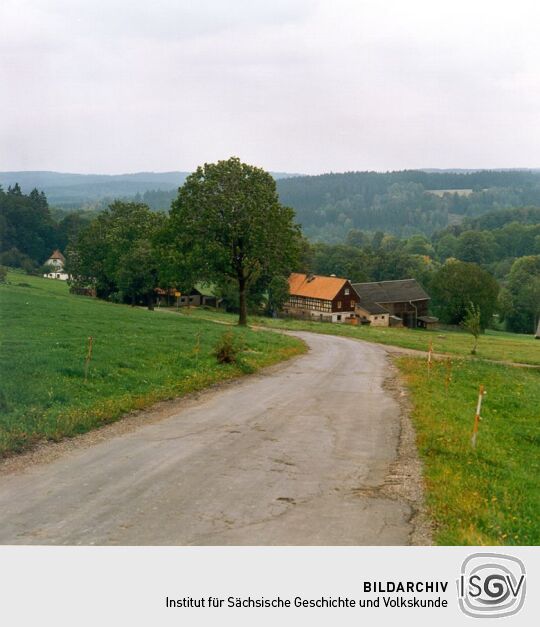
(139, 357)
(491, 494)
(493, 345)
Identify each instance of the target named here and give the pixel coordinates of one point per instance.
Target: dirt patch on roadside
(405, 480)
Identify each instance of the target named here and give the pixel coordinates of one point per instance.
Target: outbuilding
(405, 299)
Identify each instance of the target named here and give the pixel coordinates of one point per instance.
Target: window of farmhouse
(347, 291)
(339, 304)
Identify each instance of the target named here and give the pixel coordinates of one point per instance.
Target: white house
(56, 263)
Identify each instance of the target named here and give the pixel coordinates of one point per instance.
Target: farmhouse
(200, 294)
(56, 263)
(386, 303)
(327, 298)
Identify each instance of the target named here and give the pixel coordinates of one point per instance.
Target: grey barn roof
(401, 291)
(372, 308)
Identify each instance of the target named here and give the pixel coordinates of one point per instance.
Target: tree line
(402, 203)
(227, 226)
(28, 230)
(496, 269)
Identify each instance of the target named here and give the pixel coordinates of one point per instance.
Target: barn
(382, 302)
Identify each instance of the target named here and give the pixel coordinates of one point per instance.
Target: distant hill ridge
(327, 206)
(72, 189)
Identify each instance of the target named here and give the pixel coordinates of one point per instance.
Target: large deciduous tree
(523, 294)
(117, 254)
(456, 285)
(228, 222)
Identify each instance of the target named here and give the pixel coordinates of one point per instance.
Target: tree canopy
(116, 252)
(457, 286)
(228, 224)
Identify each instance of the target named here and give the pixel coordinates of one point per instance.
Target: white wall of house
(317, 315)
(379, 320)
(342, 316)
(376, 320)
(60, 276)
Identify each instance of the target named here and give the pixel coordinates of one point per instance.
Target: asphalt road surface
(292, 456)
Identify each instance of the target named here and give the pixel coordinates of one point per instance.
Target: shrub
(227, 348)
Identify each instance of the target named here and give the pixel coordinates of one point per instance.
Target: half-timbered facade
(315, 297)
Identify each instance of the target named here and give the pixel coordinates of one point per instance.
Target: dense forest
(402, 203)
(29, 231)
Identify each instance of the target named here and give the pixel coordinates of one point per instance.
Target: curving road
(292, 456)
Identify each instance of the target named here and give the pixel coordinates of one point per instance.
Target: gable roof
(372, 308)
(57, 255)
(401, 291)
(315, 286)
(205, 289)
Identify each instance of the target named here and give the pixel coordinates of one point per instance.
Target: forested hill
(403, 203)
(96, 191)
(328, 206)
(74, 191)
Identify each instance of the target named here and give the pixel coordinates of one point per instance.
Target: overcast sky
(110, 86)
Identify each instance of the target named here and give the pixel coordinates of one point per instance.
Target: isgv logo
(491, 585)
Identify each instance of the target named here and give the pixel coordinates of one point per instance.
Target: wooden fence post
(477, 416)
(448, 377)
(88, 357)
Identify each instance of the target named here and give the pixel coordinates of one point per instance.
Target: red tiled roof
(315, 286)
(57, 255)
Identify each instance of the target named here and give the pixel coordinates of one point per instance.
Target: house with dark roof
(200, 294)
(385, 303)
(316, 297)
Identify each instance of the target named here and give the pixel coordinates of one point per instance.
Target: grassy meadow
(139, 357)
(493, 345)
(489, 495)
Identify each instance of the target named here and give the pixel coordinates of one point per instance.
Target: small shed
(201, 294)
(427, 322)
(375, 314)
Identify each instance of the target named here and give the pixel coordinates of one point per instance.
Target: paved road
(288, 457)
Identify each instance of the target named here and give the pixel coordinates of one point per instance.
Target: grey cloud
(290, 85)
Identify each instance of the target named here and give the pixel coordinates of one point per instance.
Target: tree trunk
(242, 319)
(150, 301)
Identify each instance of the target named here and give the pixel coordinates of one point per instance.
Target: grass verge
(139, 357)
(493, 345)
(489, 495)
